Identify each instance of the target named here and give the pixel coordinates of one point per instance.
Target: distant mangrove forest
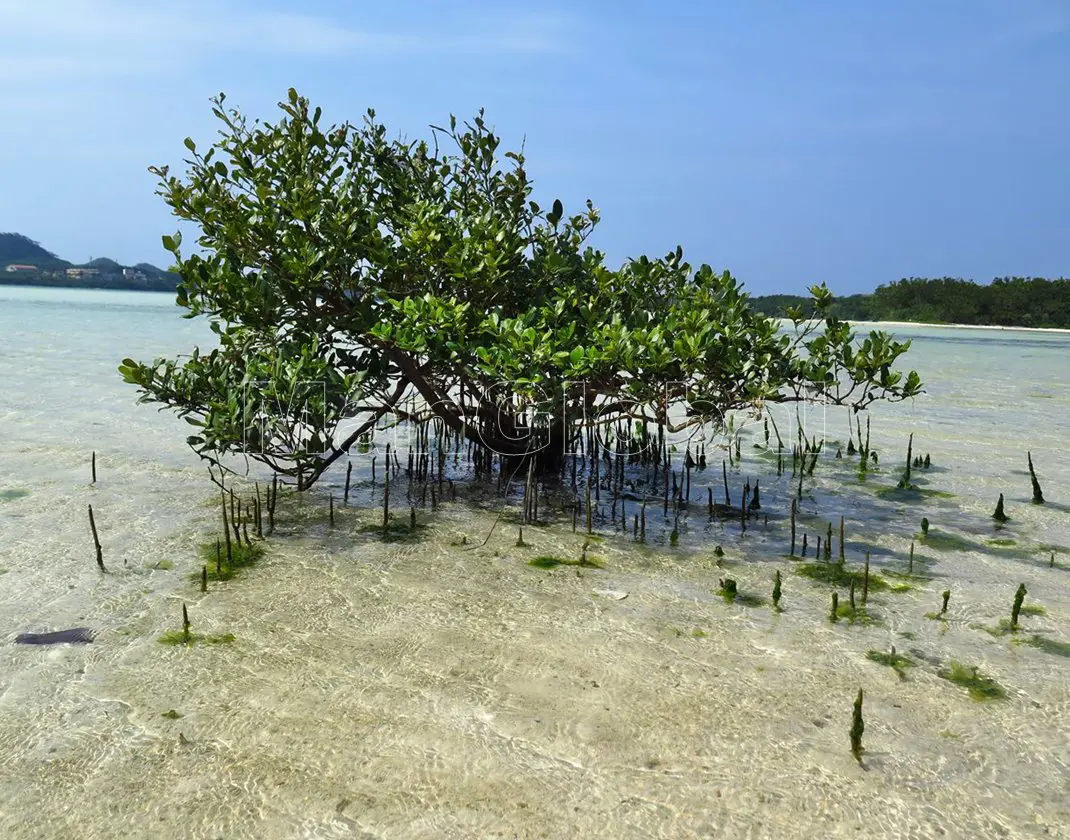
(1005, 302)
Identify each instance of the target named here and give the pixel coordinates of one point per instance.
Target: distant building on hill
(134, 274)
(21, 268)
(82, 272)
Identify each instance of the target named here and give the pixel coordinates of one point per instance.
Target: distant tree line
(59, 279)
(1006, 301)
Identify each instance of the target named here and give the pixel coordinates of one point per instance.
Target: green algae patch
(896, 661)
(241, 557)
(857, 614)
(731, 594)
(164, 565)
(979, 686)
(699, 633)
(177, 637)
(1001, 543)
(1047, 645)
(11, 495)
(548, 561)
(399, 530)
(840, 575)
(943, 541)
(1005, 628)
(999, 631)
(911, 494)
(170, 714)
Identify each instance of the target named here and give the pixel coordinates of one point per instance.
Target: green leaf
(554, 216)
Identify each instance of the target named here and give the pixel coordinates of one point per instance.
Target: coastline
(961, 326)
(926, 324)
(124, 287)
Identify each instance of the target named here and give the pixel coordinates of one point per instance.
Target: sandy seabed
(430, 689)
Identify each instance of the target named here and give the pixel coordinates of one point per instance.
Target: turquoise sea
(447, 688)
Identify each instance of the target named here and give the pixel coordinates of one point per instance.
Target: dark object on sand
(1000, 515)
(96, 540)
(74, 636)
(858, 727)
(1038, 494)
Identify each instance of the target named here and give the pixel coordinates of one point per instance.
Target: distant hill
(103, 264)
(24, 262)
(21, 250)
(149, 268)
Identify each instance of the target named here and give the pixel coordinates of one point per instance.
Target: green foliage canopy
(390, 272)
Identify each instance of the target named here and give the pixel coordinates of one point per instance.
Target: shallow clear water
(431, 689)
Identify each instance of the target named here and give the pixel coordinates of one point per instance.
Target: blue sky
(789, 142)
